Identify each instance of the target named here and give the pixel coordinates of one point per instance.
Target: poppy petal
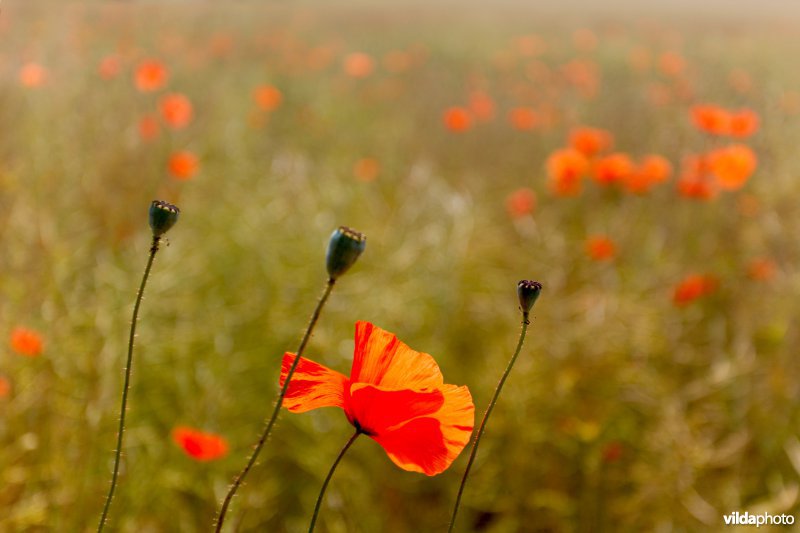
(378, 410)
(430, 444)
(381, 359)
(312, 386)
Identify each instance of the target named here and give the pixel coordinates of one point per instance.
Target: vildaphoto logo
(758, 520)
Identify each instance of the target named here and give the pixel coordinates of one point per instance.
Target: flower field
(641, 163)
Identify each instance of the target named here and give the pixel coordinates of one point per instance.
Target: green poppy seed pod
(528, 292)
(343, 250)
(163, 216)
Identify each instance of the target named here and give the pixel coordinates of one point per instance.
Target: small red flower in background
(743, 123)
(366, 169)
(26, 342)
(523, 118)
(151, 75)
(176, 110)
(651, 170)
(457, 119)
(693, 287)
(565, 170)
(109, 67)
(711, 119)
(394, 395)
(521, 202)
(696, 181)
(613, 168)
(762, 269)
(32, 75)
(183, 165)
(200, 445)
(600, 248)
(671, 63)
(149, 128)
(590, 141)
(613, 451)
(5, 387)
(732, 165)
(481, 105)
(358, 65)
(267, 97)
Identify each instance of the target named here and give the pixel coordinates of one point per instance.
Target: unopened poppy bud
(343, 250)
(163, 216)
(528, 292)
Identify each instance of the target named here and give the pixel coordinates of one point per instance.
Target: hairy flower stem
(328, 479)
(240, 478)
(126, 386)
(492, 403)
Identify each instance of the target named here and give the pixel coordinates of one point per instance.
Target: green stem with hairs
(482, 427)
(271, 421)
(328, 479)
(126, 385)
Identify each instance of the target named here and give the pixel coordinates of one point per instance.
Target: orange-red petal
(430, 444)
(381, 359)
(377, 410)
(312, 385)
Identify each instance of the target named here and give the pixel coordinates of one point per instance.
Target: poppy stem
(479, 434)
(328, 479)
(126, 385)
(271, 421)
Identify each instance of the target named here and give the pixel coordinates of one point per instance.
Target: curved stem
(126, 385)
(328, 479)
(271, 421)
(482, 427)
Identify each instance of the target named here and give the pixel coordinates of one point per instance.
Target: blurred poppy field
(640, 162)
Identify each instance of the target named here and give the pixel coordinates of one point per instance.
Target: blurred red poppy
(267, 97)
(200, 445)
(613, 168)
(600, 248)
(32, 75)
(26, 342)
(521, 202)
(183, 165)
(565, 170)
(693, 287)
(457, 119)
(176, 110)
(394, 395)
(151, 75)
(732, 165)
(358, 65)
(590, 141)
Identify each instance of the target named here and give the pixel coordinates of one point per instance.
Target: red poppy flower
(183, 165)
(32, 75)
(590, 141)
(693, 287)
(151, 75)
(732, 165)
(267, 97)
(395, 395)
(522, 118)
(521, 202)
(5, 387)
(200, 445)
(600, 248)
(176, 110)
(358, 65)
(26, 342)
(565, 169)
(457, 119)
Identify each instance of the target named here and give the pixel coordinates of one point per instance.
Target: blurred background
(639, 159)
